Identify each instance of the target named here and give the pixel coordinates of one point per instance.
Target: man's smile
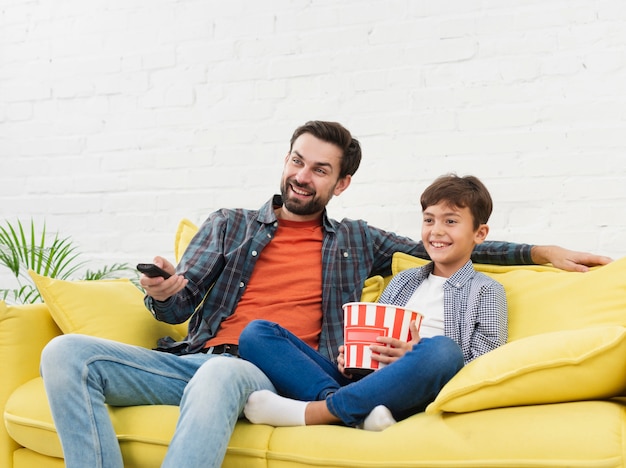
(300, 191)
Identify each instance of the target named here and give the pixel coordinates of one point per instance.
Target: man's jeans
(297, 371)
(83, 374)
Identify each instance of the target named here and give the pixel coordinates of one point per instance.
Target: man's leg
(405, 387)
(209, 409)
(82, 374)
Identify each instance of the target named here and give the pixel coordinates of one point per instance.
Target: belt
(232, 349)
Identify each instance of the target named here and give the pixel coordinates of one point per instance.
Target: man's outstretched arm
(508, 253)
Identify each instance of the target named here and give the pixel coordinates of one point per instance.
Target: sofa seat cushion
(552, 435)
(579, 434)
(144, 432)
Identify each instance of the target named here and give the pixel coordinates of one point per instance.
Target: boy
(465, 316)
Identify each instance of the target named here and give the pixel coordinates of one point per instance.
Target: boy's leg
(296, 370)
(405, 387)
(82, 374)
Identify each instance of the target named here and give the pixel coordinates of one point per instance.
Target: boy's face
(449, 236)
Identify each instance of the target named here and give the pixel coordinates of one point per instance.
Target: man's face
(311, 177)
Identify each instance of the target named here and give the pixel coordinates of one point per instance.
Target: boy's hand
(341, 362)
(394, 348)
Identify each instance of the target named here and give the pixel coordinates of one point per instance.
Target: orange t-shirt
(285, 286)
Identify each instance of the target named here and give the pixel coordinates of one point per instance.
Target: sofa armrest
(24, 331)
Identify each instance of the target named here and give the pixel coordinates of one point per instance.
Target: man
(286, 262)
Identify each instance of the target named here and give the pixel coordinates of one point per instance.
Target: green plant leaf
(23, 249)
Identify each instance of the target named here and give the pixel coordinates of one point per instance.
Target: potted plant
(23, 248)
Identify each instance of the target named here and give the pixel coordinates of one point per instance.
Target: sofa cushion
(98, 308)
(569, 365)
(544, 299)
(570, 328)
(144, 432)
(184, 233)
(372, 289)
(578, 434)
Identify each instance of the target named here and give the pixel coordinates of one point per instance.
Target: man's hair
(338, 135)
(460, 192)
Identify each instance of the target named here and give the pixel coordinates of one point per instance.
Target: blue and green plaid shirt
(219, 261)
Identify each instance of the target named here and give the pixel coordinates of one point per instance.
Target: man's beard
(296, 206)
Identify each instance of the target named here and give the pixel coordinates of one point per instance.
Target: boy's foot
(265, 407)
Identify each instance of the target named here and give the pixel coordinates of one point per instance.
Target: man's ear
(342, 184)
(481, 234)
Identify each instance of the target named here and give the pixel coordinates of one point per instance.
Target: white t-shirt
(428, 301)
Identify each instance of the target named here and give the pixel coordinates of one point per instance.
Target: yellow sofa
(550, 397)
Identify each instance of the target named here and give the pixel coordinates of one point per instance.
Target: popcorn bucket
(366, 321)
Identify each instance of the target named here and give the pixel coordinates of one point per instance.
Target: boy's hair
(337, 134)
(460, 192)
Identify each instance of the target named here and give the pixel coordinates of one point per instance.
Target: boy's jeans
(83, 374)
(297, 371)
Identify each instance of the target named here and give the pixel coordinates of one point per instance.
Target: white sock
(265, 407)
(380, 418)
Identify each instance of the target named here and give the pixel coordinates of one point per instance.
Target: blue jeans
(297, 371)
(83, 374)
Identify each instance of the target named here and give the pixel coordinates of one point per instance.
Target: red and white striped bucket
(364, 322)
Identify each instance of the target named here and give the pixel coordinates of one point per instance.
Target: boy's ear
(481, 233)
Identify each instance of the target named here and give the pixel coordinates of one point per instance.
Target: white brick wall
(119, 117)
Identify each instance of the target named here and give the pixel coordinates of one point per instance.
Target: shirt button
(241, 285)
(458, 285)
(345, 254)
(254, 253)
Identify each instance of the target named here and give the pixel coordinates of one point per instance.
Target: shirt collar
(460, 277)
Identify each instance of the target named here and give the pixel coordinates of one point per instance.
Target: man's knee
(224, 376)
(63, 349)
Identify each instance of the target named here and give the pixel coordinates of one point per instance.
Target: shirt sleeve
(201, 264)
(491, 328)
(502, 253)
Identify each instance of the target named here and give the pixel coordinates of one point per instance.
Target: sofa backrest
(543, 299)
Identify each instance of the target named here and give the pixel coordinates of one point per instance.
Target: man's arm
(507, 253)
(566, 259)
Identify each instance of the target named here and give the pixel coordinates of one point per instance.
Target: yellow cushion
(566, 339)
(112, 309)
(569, 365)
(543, 299)
(143, 432)
(184, 233)
(579, 434)
(372, 288)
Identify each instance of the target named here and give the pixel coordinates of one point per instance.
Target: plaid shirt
(219, 261)
(474, 307)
